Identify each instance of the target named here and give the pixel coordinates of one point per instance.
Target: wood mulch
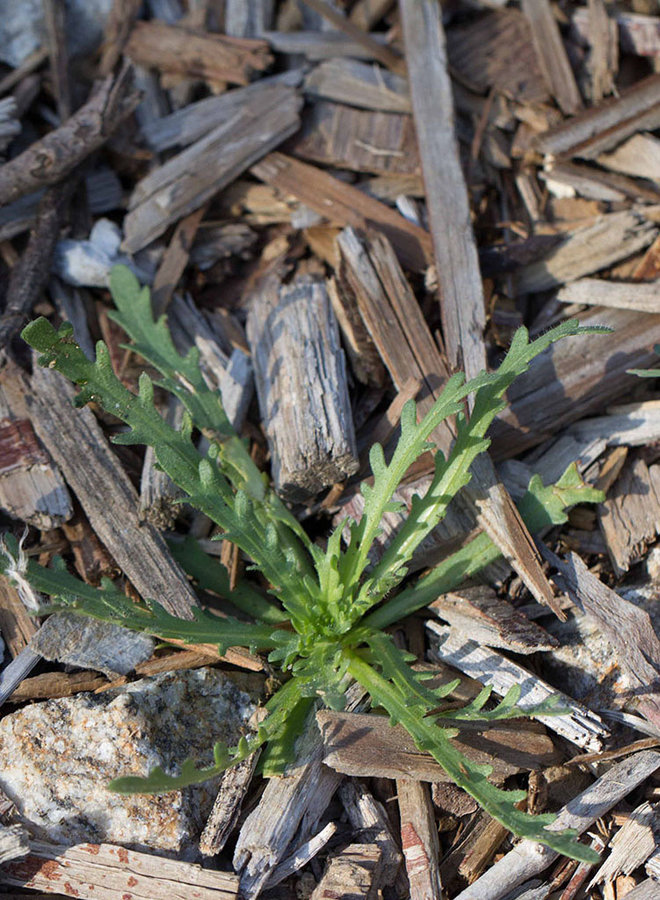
(398, 187)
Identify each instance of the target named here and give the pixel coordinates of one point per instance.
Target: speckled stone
(57, 757)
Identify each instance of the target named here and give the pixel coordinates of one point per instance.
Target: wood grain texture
(419, 839)
(529, 859)
(552, 56)
(346, 205)
(367, 746)
(188, 180)
(107, 872)
(454, 247)
(77, 443)
(300, 375)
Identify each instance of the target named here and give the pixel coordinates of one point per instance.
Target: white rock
(57, 757)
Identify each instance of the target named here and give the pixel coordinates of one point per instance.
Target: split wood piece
(118, 25)
(632, 845)
(353, 873)
(583, 448)
(362, 85)
(16, 626)
(595, 184)
(466, 862)
(491, 621)
(396, 325)
(105, 492)
(528, 858)
(193, 121)
(653, 865)
(632, 425)
(552, 56)
(14, 842)
(580, 726)
(300, 376)
(290, 806)
(590, 248)
(54, 14)
(174, 261)
(638, 34)
(496, 52)
(31, 273)
(188, 180)
(462, 304)
(371, 822)
(367, 746)
(575, 377)
(225, 366)
(630, 516)
(621, 295)
(346, 205)
(234, 783)
(51, 685)
(627, 627)
(59, 152)
(302, 855)
(639, 157)
(160, 498)
(607, 124)
(419, 839)
(645, 890)
(343, 137)
(603, 59)
(383, 54)
(107, 872)
(208, 56)
(31, 485)
(91, 644)
(317, 45)
(365, 361)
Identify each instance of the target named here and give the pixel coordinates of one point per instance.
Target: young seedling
(322, 620)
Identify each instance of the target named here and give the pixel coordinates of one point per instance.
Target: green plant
(323, 621)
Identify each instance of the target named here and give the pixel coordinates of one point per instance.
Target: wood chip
(188, 180)
(621, 295)
(208, 56)
(589, 249)
(352, 873)
(346, 205)
(626, 626)
(580, 726)
(528, 858)
(602, 127)
(630, 516)
(361, 140)
(360, 84)
(106, 872)
(367, 746)
(419, 838)
(31, 484)
(552, 56)
(632, 845)
(301, 384)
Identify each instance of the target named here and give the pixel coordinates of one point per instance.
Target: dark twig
(30, 274)
(58, 153)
